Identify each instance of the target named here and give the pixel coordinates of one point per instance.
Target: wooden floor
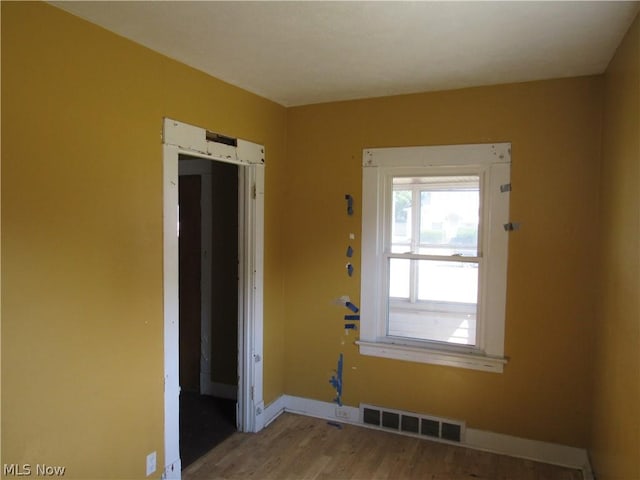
(298, 447)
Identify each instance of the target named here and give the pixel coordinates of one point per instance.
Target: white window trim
(493, 162)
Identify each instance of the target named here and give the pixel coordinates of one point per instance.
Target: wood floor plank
(298, 447)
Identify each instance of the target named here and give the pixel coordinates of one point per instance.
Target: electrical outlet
(342, 413)
(151, 463)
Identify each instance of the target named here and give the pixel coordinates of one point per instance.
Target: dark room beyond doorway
(208, 304)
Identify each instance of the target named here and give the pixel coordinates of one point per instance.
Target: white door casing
(180, 138)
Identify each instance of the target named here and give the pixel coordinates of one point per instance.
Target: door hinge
(251, 393)
(254, 191)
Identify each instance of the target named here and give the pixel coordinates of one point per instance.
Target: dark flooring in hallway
(205, 422)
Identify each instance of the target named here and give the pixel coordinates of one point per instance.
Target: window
(434, 254)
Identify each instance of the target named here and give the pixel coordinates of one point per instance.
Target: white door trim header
(208, 144)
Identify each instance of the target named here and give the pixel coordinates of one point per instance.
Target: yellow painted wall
(82, 351)
(82, 358)
(554, 127)
(615, 444)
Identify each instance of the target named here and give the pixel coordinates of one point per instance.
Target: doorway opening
(209, 314)
(244, 161)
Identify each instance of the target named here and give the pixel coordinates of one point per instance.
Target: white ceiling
(304, 52)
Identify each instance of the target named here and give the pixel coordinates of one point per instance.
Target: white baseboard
(274, 410)
(552, 453)
(545, 452)
(318, 409)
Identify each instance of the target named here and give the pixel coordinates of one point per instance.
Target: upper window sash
(385, 188)
(435, 183)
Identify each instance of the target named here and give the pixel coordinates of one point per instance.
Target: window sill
(436, 357)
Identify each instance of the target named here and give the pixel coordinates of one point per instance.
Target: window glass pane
(447, 281)
(399, 278)
(449, 215)
(445, 327)
(446, 304)
(401, 220)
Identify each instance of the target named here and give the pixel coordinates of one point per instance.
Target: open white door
(180, 138)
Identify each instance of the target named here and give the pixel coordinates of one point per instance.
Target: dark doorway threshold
(205, 421)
